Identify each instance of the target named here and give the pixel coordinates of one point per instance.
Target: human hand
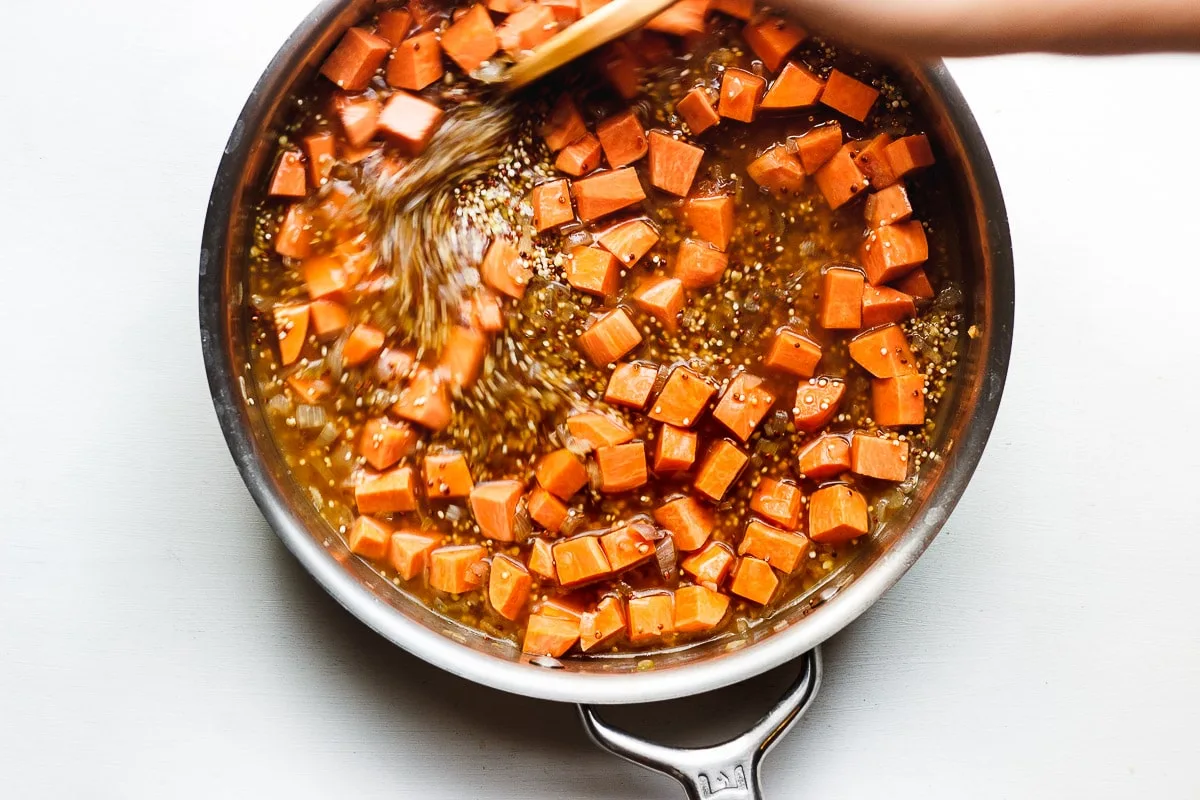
(927, 28)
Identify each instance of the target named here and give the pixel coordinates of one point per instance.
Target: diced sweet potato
(699, 609)
(355, 59)
(622, 68)
(579, 157)
(549, 636)
(623, 139)
(291, 329)
(562, 606)
(601, 625)
(698, 264)
(368, 538)
(383, 442)
(743, 405)
(685, 18)
(622, 467)
(551, 204)
(329, 318)
(504, 269)
(651, 616)
(841, 299)
(610, 338)
(362, 345)
(840, 180)
(425, 400)
(884, 352)
(561, 473)
(710, 218)
(471, 40)
(793, 352)
(818, 146)
(689, 521)
(825, 457)
(673, 163)
(817, 402)
(325, 275)
(777, 171)
(494, 505)
(630, 385)
(721, 467)
(580, 560)
(683, 398)
(652, 49)
(741, 92)
(778, 501)
(893, 251)
(661, 298)
(675, 450)
(625, 546)
(754, 580)
(456, 569)
(527, 28)
(837, 514)
(483, 312)
(739, 9)
(359, 117)
(564, 124)
(463, 356)
(881, 305)
(408, 552)
(875, 457)
(320, 151)
(546, 510)
(796, 87)
(289, 178)
(888, 207)
(416, 62)
(447, 475)
(600, 195)
(772, 39)
(410, 121)
(565, 11)
(916, 284)
(394, 25)
(395, 365)
(593, 270)
(541, 560)
(697, 111)
(782, 550)
(629, 241)
(508, 586)
(710, 566)
(909, 154)
(849, 96)
(598, 430)
(898, 401)
(294, 237)
(393, 492)
(872, 160)
(310, 391)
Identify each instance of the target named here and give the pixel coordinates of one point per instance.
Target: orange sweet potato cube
(593, 270)
(884, 352)
(561, 473)
(772, 39)
(710, 566)
(410, 121)
(689, 521)
(610, 338)
(778, 171)
(909, 154)
(881, 305)
(699, 265)
(630, 384)
(508, 586)
(697, 111)
(754, 580)
(601, 625)
(893, 251)
(782, 550)
(626, 547)
(796, 87)
(383, 442)
(447, 475)
(606, 193)
(721, 467)
(580, 560)
(817, 402)
(837, 514)
(651, 616)
(710, 218)
(741, 92)
(290, 178)
(673, 163)
(629, 241)
(623, 139)
(699, 609)
(368, 538)
(494, 506)
(564, 124)
(888, 207)
(875, 457)
(818, 146)
(355, 59)
(408, 552)
(622, 467)
(546, 510)
(425, 400)
(849, 96)
(683, 398)
(898, 401)
(549, 636)
(580, 157)
(392, 492)
(840, 180)
(472, 39)
(743, 405)
(841, 299)
(661, 298)
(504, 269)
(825, 457)
(551, 204)
(793, 352)
(456, 569)
(675, 450)
(416, 62)
(778, 501)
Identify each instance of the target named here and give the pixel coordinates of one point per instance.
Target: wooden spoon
(600, 27)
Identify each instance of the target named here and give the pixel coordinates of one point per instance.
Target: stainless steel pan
(795, 632)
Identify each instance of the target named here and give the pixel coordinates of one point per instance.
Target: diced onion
(309, 418)
(666, 556)
(280, 404)
(327, 436)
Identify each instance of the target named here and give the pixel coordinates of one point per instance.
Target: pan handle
(726, 771)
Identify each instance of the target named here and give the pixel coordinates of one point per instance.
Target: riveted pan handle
(726, 771)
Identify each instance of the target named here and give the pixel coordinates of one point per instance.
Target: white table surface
(157, 641)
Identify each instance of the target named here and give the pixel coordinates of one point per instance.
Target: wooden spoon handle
(600, 27)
